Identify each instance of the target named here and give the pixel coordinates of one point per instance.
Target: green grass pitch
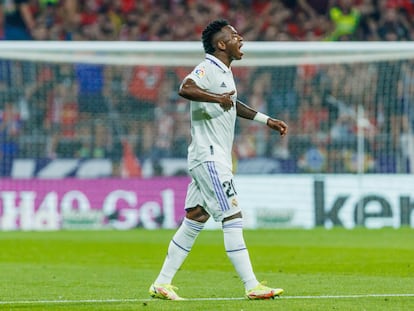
(319, 269)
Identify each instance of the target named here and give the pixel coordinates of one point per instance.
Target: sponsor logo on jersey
(200, 72)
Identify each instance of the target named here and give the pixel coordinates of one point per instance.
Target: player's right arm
(191, 91)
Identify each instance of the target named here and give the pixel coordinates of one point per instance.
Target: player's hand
(226, 100)
(278, 125)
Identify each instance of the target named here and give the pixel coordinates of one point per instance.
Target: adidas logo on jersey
(223, 84)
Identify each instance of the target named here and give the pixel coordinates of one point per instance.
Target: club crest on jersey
(200, 72)
(234, 203)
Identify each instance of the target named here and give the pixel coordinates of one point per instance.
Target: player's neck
(223, 58)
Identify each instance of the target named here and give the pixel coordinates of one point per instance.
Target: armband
(261, 117)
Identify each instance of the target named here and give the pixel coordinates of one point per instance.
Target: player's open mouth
(240, 51)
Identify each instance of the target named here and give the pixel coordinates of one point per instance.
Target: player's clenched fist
(227, 100)
(278, 125)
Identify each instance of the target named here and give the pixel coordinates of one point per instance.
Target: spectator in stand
(388, 77)
(115, 91)
(406, 102)
(37, 93)
(105, 27)
(313, 117)
(18, 19)
(345, 17)
(393, 26)
(181, 125)
(400, 115)
(96, 142)
(164, 120)
(6, 76)
(283, 102)
(91, 85)
(100, 143)
(83, 143)
(40, 31)
(317, 7)
(10, 129)
(143, 91)
(314, 157)
(62, 111)
(312, 134)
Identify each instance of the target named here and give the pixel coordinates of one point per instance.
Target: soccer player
(214, 106)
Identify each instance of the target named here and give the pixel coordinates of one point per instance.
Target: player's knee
(197, 214)
(237, 215)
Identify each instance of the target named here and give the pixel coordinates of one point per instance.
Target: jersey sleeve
(200, 77)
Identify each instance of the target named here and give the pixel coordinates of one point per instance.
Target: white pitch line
(67, 301)
(348, 296)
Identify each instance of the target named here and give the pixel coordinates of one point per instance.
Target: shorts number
(229, 188)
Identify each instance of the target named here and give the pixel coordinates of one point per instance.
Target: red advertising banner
(37, 204)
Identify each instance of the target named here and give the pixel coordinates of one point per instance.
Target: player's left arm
(246, 112)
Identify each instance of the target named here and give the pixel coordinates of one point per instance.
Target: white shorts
(212, 187)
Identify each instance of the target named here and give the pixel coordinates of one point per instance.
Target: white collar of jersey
(217, 62)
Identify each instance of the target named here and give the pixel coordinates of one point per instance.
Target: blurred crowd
(175, 20)
(89, 111)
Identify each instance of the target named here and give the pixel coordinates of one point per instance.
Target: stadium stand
(45, 118)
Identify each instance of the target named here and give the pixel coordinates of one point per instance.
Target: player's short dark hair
(209, 32)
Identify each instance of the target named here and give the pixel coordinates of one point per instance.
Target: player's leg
(222, 204)
(180, 246)
(217, 188)
(178, 250)
(237, 251)
(239, 256)
(220, 197)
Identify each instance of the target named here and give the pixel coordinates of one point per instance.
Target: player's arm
(246, 112)
(191, 91)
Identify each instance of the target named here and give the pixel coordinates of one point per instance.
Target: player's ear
(221, 45)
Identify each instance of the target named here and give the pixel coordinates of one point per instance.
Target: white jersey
(212, 128)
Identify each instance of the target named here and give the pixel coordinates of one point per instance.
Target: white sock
(237, 252)
(178, 249)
